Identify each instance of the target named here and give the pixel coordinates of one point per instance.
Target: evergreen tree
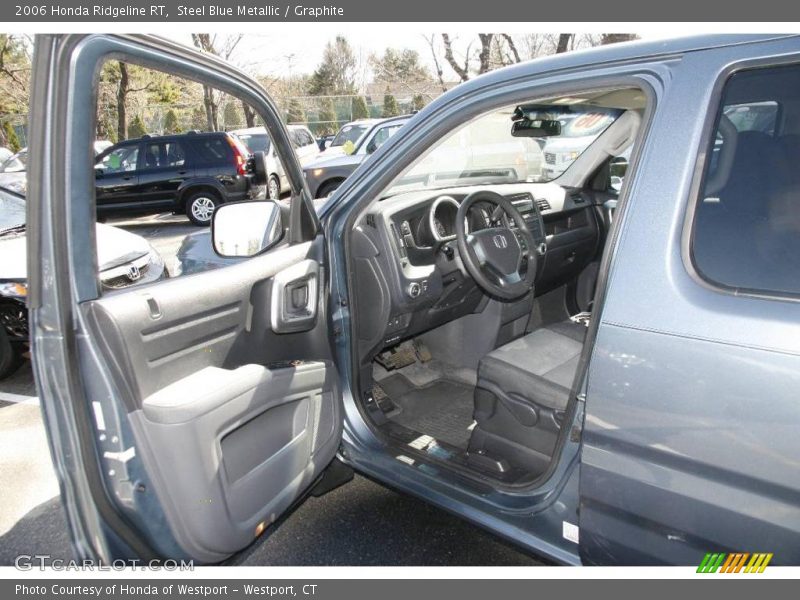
(231, 117)
(336, 74)
(136, 128)
(171, 124)
(327, 117)
(418, 102)
(295, 113)
(12, 141)
(359, 108)
(390, 107)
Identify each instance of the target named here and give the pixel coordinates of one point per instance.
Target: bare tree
(436, 64)
(124, 89)
(15, 73)
(484, 55)
(219, 47)
(564, 40)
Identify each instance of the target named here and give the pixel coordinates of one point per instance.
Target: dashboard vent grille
(542, 204)
(371, 220)
(576, 197)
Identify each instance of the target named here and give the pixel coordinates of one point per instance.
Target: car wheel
(273, 188)
(10, 355)
(328, 188)
(200, 207)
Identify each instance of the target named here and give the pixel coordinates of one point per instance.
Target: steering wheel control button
(414, 289)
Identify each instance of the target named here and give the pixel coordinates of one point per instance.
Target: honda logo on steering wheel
(500, 241)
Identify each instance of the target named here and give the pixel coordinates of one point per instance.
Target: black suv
(190, 172)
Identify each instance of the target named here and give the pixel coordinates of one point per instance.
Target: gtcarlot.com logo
(736, 562)
(28, 562)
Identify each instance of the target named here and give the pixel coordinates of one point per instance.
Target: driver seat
(521, 396)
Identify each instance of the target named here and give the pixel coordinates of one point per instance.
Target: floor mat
(441, 409)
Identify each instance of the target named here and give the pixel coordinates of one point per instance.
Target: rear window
(747, 222)
(211, 150)
(255, 142)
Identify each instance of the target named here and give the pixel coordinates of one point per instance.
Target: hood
(114, 247)
(336, 161)
(331, 151)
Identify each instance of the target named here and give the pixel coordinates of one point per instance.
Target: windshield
(12, 211)
(483, 151)
(255, 142)
(349, 133)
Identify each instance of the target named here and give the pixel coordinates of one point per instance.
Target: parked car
(347, 137)
(601, 378)
(257, 140)
(16, 163)
(124, 260)
(189, 173)
(325, 174)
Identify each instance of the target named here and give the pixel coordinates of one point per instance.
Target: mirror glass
(246, 228)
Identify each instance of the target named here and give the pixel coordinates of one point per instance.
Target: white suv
(257, 140)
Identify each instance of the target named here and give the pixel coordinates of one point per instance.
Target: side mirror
(246, 228)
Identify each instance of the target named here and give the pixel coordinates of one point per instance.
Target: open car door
(187, 414)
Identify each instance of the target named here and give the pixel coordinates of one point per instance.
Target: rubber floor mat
(442, 409)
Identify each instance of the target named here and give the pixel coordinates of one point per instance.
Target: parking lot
(363, 523)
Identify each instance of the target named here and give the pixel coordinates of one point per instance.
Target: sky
(282, 53)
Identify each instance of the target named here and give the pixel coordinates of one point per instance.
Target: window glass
(212, 150)
(383, 134)
(747, 222)
(349, 133)
(121, 159)
(163, 155)
(485, 151)
(255, 142)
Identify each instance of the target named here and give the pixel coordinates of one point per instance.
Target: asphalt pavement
(360, 523)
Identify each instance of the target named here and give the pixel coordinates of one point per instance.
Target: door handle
(293, 302)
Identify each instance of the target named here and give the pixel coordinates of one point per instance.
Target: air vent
(542, 204)
(577, 198)
(371, 220)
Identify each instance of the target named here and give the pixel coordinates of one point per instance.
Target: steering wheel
(500, 259)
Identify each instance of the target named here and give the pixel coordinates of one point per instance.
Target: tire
(200, 207)
(273, 188)
(327, 188)
(10, 355)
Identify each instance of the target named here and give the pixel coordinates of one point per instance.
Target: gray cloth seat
(538, 367)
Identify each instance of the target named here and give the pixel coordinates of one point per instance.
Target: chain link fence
(323, 115)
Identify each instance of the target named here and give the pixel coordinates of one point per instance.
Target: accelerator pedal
(421, 350)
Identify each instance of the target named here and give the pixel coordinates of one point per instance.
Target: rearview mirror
(246, 228)
(536, 128)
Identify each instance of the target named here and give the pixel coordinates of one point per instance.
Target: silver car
(599, 376)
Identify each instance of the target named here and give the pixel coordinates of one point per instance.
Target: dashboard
(410, 278)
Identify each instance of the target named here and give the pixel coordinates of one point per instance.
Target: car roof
(252, 130)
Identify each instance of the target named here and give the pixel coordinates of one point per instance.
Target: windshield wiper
(15, 229)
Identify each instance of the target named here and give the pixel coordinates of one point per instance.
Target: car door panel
(210, 384)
